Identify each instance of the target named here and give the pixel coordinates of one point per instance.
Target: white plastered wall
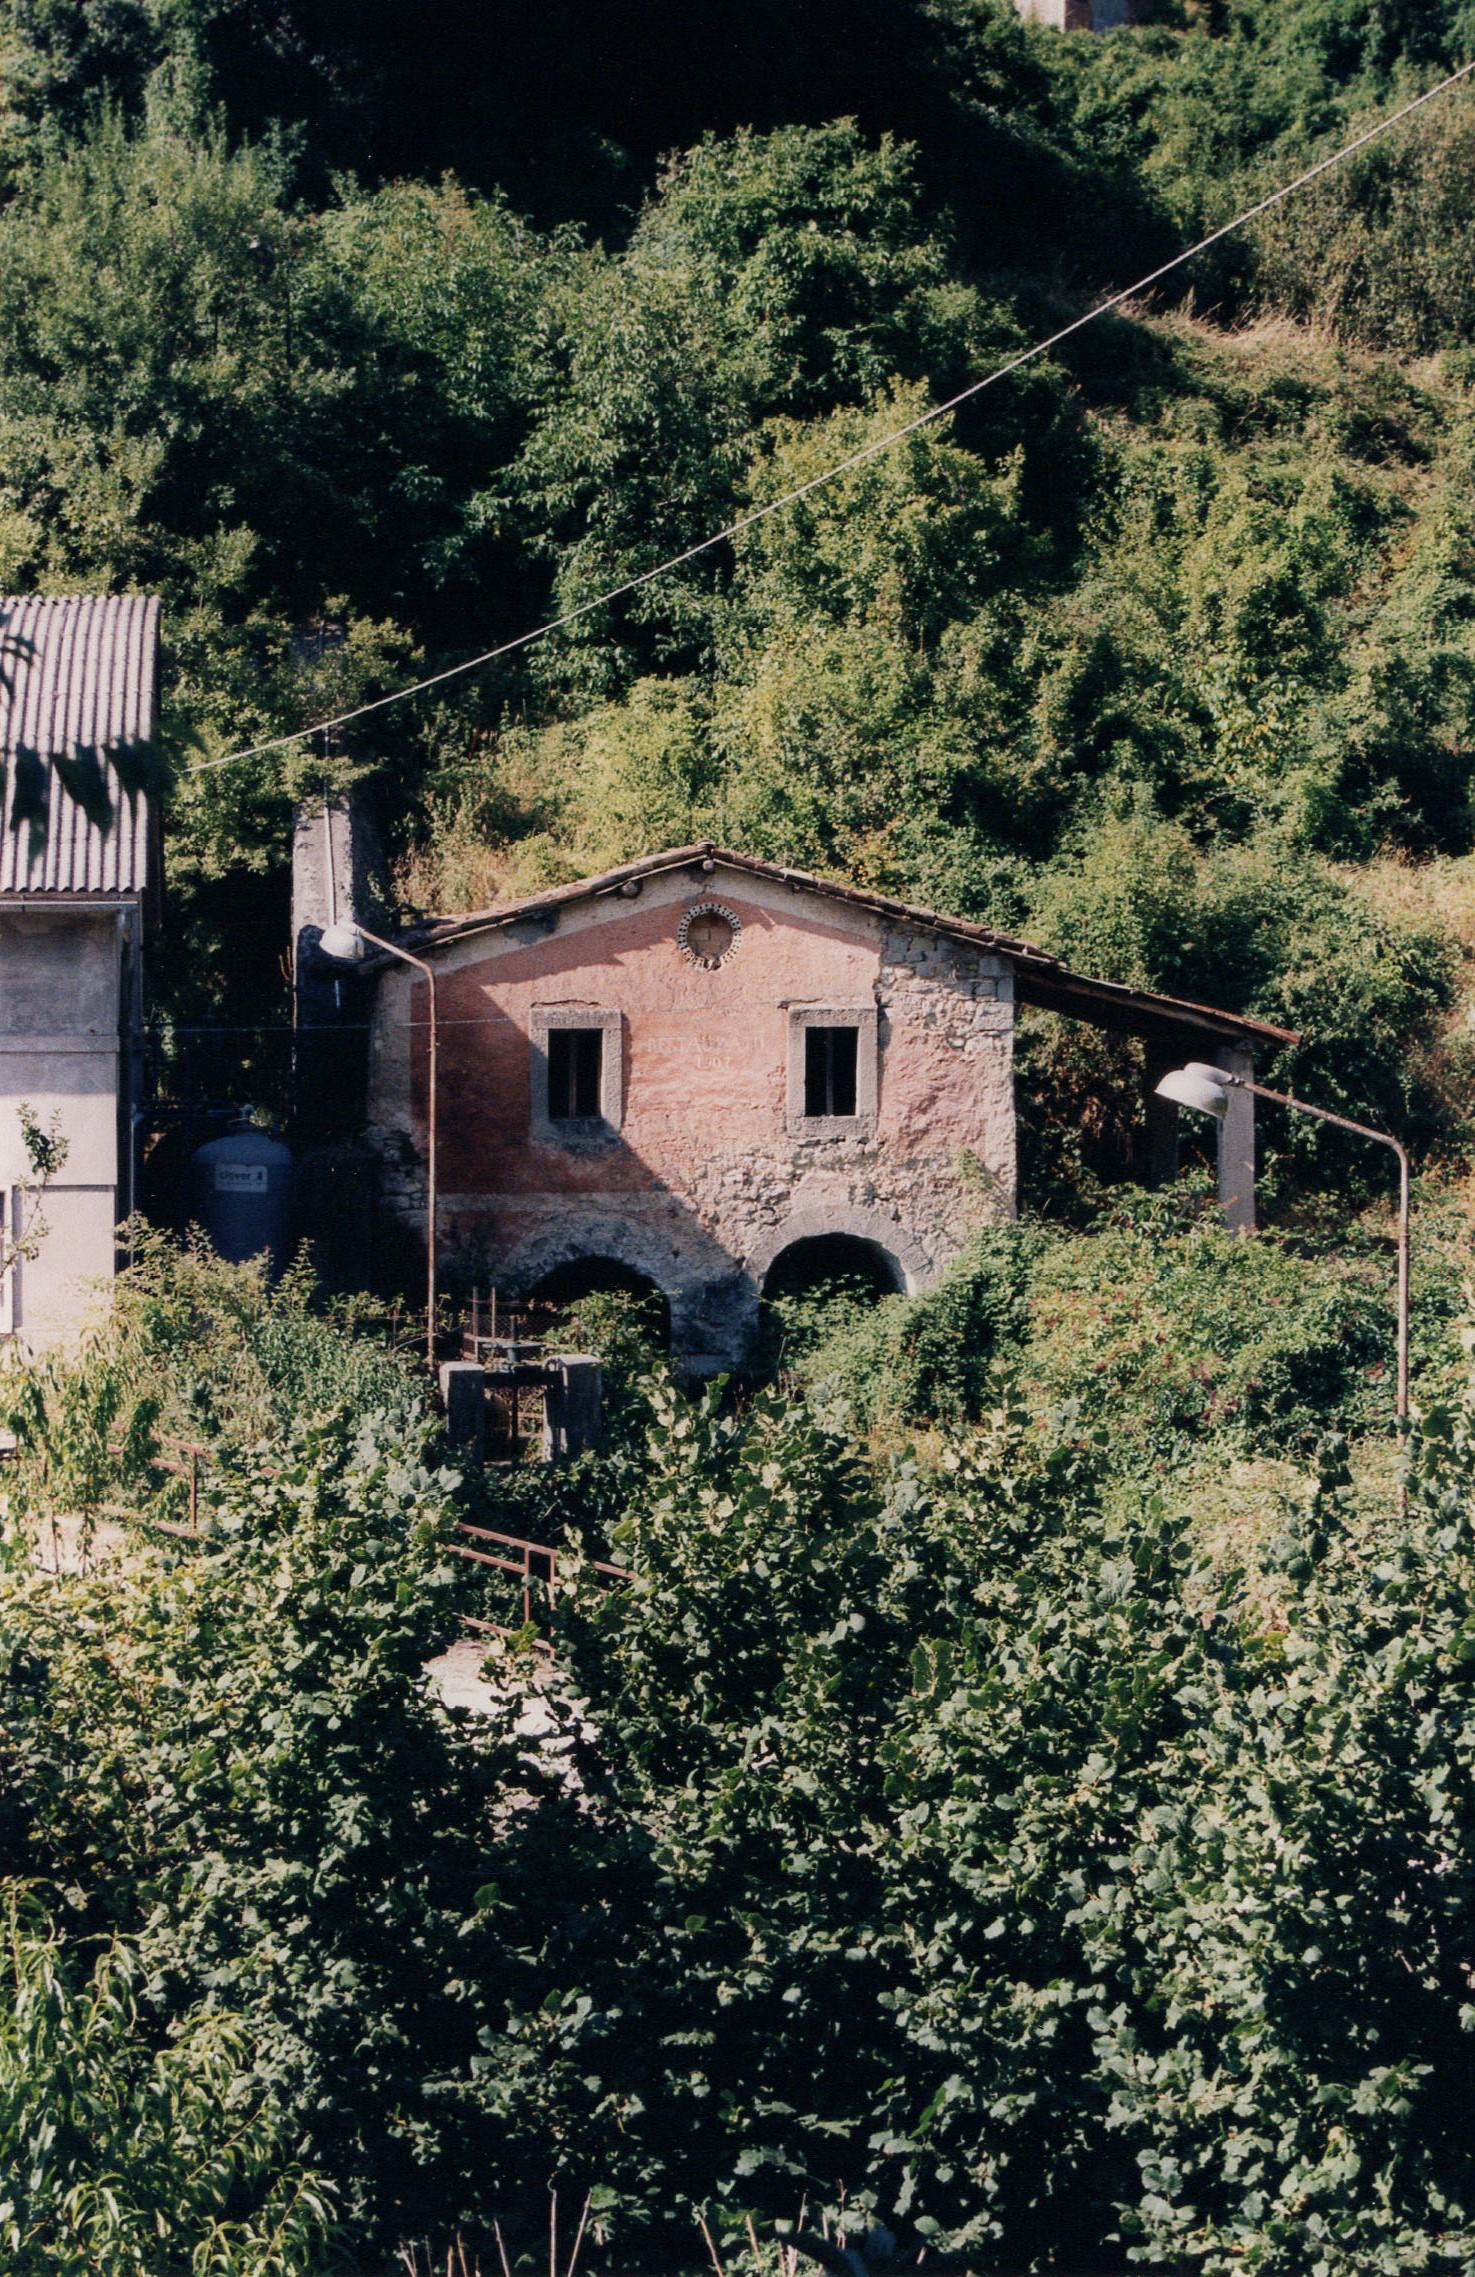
(59, 1053)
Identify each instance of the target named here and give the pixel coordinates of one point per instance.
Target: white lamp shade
(1198, 1086)
(345, 944)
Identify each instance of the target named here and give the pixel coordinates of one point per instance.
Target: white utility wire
(841, 466)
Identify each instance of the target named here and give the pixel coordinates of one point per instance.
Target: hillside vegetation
(1146, 651)
(1025, 1798)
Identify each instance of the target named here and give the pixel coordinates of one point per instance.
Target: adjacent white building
(1082, 15)
(79, 881)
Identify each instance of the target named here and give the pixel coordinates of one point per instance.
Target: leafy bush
(1263, 929)
(1155, 1328)
(127, 2150)
(192, 1349)
(894, 1837)
(1008, 1879)
(1163, 1334)
(932, 1358)
(225, 1754)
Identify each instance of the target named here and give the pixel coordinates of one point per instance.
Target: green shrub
(1154, 1326)
(136, 2152)
(928, 1359)
(1262, 928)
(190, 1349)
(1164, 1334)
(977, 1862)
(225, 1754)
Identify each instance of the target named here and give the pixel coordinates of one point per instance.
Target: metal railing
(532, 1563)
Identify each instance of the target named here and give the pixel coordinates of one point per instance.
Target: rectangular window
(829, 1070)
(575, 1074)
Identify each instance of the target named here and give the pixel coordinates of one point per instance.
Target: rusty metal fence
(534, 1564)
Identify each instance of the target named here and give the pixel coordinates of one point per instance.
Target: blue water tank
(240, 1191)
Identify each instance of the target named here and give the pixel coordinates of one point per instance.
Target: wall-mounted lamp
(1198, 1085)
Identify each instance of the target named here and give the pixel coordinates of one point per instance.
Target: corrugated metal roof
(77, 681)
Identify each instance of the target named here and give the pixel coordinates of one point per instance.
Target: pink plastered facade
(705, 1160)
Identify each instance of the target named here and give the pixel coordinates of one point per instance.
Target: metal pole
(1403, 1305)
(332, 875)
(432, 1215)
(1380, 1138)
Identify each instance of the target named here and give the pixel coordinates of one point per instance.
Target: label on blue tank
(240, 1177)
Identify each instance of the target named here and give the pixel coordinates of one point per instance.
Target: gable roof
(77, 697)
(1039, 978)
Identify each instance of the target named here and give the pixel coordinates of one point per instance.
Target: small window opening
(575, 1073)
(829, 1070)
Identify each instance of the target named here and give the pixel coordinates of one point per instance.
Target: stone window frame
(866, 1019)
(577, 1131)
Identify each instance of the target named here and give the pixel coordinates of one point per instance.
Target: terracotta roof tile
(1040, 978)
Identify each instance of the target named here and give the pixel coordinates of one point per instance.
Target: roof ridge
(451, 927)
(1046, 980)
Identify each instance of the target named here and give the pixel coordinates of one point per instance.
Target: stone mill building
(688, 1067)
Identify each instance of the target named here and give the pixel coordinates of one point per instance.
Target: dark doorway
(838, 1262)
(816, 1289)
(568, 1284)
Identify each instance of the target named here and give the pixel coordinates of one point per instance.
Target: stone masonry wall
(708, 1177)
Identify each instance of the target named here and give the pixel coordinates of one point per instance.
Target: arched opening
(834, 1264)
(815, 1288)
(568, 1284)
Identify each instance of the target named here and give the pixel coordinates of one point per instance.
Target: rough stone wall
(709, 1177)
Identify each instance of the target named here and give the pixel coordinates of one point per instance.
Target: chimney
(337, 876)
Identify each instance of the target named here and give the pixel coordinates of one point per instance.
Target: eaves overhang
(1039, 978)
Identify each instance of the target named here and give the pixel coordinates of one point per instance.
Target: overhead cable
(857, 458)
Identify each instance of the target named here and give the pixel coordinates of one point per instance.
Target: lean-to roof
(77, 694)
(1039, 978)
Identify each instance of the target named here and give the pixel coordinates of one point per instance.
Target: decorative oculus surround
(708, 933)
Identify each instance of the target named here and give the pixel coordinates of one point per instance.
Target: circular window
(709, 934)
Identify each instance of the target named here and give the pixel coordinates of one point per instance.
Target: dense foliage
(124, 2154)
(955, 1844)
(1128, 653)
(1158, 1329)
(1006, 1873)
(935, 1832)
(232, 1763)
